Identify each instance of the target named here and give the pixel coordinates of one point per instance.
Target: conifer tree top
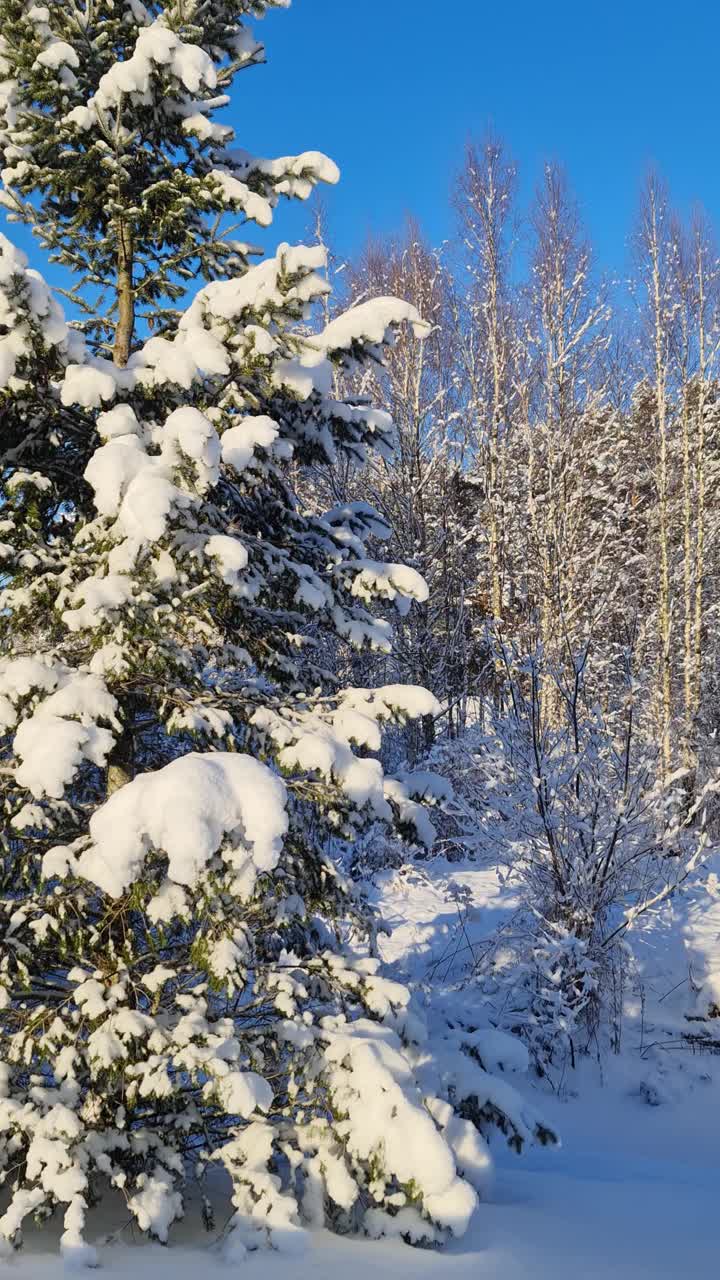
(110, 146)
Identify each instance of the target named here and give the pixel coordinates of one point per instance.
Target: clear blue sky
(392, 88)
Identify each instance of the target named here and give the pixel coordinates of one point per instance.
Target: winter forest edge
(312, 916)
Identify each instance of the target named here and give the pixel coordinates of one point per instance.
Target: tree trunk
(700, 482)
(121, 761)
(688, 646)
(660, 361)
(125, 296)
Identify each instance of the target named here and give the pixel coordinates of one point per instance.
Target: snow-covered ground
(633, 1192)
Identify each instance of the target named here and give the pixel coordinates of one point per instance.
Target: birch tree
(423, 493)
(483, 323)
(566, 335)
(656, 253)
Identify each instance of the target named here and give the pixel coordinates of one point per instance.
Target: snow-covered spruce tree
(185, 978)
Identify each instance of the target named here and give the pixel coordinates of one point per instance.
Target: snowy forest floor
(632, 1194)
(634, 1189)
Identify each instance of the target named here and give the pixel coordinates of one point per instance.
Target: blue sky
(392, 88)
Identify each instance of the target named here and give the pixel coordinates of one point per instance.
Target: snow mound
(187, 810)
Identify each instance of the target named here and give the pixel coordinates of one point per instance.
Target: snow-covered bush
(587, 838)
(185, 979)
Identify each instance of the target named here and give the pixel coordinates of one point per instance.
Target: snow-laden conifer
(186, 980)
